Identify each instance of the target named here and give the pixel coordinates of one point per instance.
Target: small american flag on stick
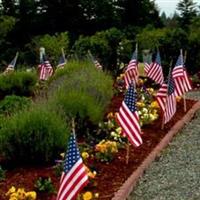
(131, 74)
(95, 61)
(62, 60)
(154, 71)
(74, 176)
(167, 99)
(12, 64)
(181, 79)
(128, 117)
(45, 68)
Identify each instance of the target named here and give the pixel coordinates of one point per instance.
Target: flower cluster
(88, 196)
(20, 194)
(120, 84)
(148, 108)
(105, 150)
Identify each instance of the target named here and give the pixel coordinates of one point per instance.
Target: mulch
(110, 176)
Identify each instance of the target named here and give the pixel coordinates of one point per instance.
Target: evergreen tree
(188, 10)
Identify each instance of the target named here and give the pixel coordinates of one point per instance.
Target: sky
(169, 6)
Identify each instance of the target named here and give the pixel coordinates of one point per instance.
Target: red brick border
(130, 183)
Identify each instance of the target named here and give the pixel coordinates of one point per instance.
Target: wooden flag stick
(127, 152)
(63, 53)
(184, 98)
(163, 119)
(73, 126)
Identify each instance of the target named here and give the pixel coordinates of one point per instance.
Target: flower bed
(110, 176)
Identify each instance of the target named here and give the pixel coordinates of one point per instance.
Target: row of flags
(74, 177)
(177, 84)
(45, 68)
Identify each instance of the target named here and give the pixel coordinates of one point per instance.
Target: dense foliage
(33, 137)
(109, 29)
(19, 83)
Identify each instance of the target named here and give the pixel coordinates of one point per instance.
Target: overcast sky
(169, 6)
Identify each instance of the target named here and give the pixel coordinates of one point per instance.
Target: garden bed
(110, 176)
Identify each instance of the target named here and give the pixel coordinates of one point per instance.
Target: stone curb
(125, 190)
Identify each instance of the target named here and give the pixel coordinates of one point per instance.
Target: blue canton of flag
(72, 156)
(61, 62)
(171, 86)
(130, 99)
(74, 176)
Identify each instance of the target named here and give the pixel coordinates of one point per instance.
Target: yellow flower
(140, 104)
(31, 195)
(21, 194)
(154, 104)
(14, 196)
(87, 196)
(178, 99)
(85, 155)
(11, 190)
(110, 115)
(62, 155)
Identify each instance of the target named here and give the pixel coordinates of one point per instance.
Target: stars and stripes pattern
(167, 99)
(131, 73)
(128, 117)
(181, 79)
(61, 62)
(45, 69)
(74, 176)
(154, 71)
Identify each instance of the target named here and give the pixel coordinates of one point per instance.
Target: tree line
(110, 29)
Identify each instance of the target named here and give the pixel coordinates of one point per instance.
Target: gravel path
(176, 174)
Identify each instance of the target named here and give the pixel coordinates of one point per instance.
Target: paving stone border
(125, 190)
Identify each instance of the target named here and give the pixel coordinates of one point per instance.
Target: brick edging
(130, 183)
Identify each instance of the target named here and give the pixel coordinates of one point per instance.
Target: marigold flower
(31, 195)
(85, 155)
(11, 190)
(21, 194)
(87, 196)
(178, 99)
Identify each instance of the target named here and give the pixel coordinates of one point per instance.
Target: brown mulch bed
(109, 176)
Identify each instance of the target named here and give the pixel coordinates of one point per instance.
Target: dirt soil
(109, 176)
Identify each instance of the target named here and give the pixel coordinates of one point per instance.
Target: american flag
(167, 99)
(45, 69)
(95, 61)
(181, 79)
(131, 74)
(154, 71)
(74, 176)
(128, 117)
(12, 64)
(61, 62)
(147, 63)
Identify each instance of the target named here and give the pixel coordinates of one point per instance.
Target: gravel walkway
(176, 174)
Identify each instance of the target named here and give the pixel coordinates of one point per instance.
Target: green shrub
(11, 104)
(83, 90)
(44, 184)
(20, 83)
(34, 136)
(2, 174)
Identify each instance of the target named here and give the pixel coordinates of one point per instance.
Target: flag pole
(127, 152)
(73, 126)
(183, 61)
(63, 53)
(163, 119)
